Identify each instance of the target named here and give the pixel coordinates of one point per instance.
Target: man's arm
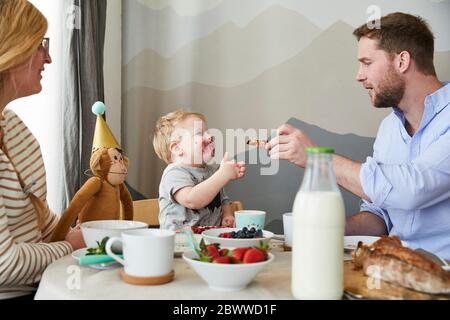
(290, 144)
(347, 175)
(418, 184)
(365, 223)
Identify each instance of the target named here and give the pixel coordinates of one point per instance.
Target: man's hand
(290, 144)
(231, 169)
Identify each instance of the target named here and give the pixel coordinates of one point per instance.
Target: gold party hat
(103, 137)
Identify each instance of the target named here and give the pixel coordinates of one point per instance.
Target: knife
(436, 259)
(95, 259)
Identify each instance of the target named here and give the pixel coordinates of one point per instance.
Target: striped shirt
(24, 249)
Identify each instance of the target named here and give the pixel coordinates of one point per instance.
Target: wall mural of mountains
(227, 57)
(278, 66)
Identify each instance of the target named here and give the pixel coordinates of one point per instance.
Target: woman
(26, 223)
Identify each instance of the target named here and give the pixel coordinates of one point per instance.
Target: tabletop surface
(65, 279)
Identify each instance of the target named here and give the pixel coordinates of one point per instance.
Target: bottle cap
(319, 150)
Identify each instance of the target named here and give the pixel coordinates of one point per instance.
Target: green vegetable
(100, 250)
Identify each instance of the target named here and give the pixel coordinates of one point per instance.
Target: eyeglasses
(45, 45)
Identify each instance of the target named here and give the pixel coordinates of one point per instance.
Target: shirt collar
(434, 103)
(439, 99)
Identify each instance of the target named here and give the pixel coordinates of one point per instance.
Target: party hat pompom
(103, 136)
(98, 108)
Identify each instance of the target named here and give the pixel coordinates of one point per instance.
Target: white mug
(287, 227)
(146, 252)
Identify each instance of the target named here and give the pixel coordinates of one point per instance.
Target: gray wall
(255, 64)
(275, 193)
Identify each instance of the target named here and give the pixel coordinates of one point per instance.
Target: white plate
(351, 242)
(212, 236)
(100, 266)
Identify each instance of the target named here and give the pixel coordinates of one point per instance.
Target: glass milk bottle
(318, 231)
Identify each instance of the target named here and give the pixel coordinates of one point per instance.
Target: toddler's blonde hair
(164, 129)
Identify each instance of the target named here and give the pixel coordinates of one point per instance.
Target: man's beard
(390, 92)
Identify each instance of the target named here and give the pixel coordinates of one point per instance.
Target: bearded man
(405, 185)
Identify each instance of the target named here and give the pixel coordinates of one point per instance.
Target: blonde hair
(22, 28)
(164, 129)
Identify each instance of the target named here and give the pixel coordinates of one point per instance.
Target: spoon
(190, 236)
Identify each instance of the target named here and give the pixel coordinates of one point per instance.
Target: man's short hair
(403, 32)
(164, 129)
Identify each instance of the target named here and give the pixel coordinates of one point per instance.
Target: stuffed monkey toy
(101, 196)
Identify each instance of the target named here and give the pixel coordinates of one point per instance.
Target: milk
(318, 245)
(318, 231)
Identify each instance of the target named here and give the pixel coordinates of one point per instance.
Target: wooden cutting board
(359, 285)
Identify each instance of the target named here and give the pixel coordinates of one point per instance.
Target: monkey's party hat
(103, 137)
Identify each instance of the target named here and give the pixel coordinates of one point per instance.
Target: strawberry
(238, 253)
(223, 252)
(212, 251)
(235, 261)
(225, 235)
(223, 259)
(254, 255)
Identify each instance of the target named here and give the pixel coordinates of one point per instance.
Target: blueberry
(244, 229)
(252, 230)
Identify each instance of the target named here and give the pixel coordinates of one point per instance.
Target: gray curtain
(83, 42)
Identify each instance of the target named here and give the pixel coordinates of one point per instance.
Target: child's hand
(228, 222)
(231, 169)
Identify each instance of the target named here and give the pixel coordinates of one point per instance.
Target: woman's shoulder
(9, 114)
(12, 119)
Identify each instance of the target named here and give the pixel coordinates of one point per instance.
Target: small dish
(99, 266)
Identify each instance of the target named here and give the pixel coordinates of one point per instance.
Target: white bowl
(226, 277)
(212, 236)
(94, 231)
